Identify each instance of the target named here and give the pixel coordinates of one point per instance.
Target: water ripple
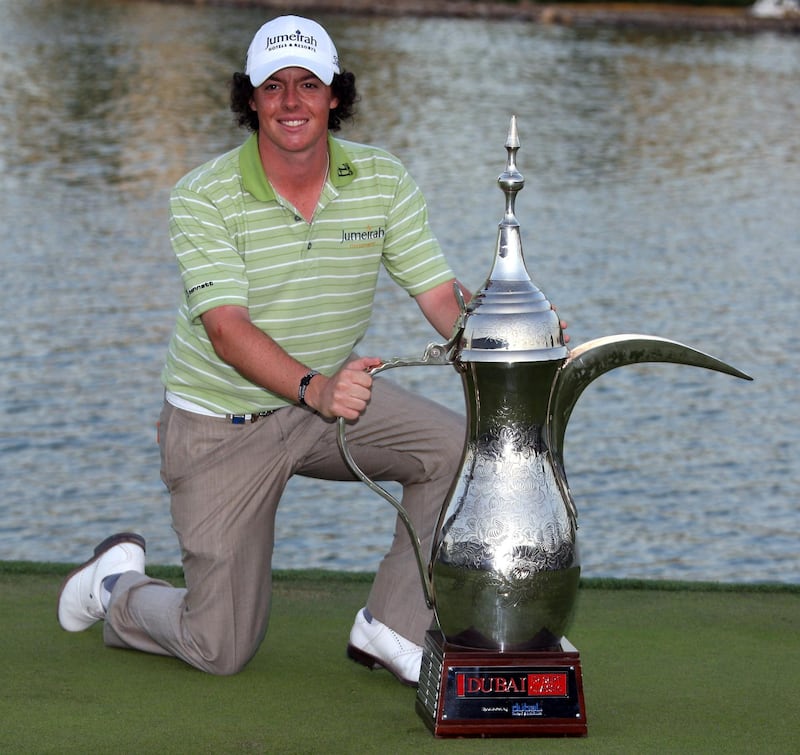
(661, 190)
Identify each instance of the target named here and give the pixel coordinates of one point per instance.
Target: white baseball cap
(290, 41)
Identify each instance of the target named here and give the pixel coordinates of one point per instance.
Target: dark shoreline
(620, 15)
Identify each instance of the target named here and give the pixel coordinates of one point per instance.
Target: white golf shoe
(80, 601)
(375, 645)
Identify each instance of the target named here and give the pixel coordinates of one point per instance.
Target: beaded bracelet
(301, 390)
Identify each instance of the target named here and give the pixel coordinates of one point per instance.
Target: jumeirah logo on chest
(363, 238)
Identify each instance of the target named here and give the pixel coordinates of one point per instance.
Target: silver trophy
(504, 571)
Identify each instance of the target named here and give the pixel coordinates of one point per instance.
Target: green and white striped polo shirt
(310, 286)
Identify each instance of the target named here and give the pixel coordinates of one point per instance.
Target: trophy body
(505, 569)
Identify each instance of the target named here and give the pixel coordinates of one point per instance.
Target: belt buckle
(241, 419)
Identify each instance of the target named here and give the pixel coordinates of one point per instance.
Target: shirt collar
(342, 170)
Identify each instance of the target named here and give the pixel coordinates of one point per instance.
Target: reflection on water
(661, 191)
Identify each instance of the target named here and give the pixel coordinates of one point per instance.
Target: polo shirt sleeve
(412, 255)
(212, 269)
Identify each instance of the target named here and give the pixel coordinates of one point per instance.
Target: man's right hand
(344, 394)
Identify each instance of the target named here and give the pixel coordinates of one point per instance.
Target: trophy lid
(510, 319)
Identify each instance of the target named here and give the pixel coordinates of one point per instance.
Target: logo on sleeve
(198, 287)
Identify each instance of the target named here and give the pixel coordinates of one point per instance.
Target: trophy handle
(435, 354)
(401, 512)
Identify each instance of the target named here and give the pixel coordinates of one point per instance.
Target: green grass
(688, 669)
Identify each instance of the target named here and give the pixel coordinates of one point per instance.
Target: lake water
(662, 184)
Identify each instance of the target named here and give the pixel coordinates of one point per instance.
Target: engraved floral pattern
(509, 516)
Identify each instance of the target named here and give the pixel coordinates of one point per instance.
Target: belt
(235, 419)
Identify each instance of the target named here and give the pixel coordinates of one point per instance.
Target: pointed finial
(512, 142)
(511, 180)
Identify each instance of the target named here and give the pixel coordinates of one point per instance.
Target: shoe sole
(99, 551)
(373, 663)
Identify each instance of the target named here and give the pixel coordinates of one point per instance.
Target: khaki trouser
(225, 483)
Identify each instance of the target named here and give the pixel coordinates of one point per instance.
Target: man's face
(292, 107)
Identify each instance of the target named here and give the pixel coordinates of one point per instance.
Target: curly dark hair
(343, 87)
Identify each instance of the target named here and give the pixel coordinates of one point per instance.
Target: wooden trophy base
(471, 692)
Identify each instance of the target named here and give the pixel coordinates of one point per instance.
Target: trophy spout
(594, 358)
